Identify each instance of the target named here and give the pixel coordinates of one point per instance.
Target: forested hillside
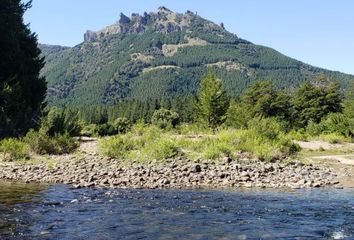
(163, 55)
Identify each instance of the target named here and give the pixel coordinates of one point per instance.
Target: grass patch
(146, 143)
(13, 149)
(333, 138)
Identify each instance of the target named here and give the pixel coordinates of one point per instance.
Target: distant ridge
(163, 55)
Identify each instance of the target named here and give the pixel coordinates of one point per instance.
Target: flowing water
(59, 212)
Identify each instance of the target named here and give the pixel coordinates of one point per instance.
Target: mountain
(164, 55)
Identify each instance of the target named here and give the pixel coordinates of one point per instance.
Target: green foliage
(121, 125)
(298, 135)
(41, 143)
(64, 144)
(217, 150)
(265, 148)
(106, 129)
(13, 149)
(90, 130)
(264, 100)
(22, 90)
(212, 101)
(312, 103)
(61, 121)
(270, 128)
(164, 118)
(146, 143)
(333, 138)
(117, 146)
(166, 149)
(238, 115)
(334, 123)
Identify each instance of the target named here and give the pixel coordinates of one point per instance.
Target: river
(59, 212)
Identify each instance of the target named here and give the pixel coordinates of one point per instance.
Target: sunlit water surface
(59, 212)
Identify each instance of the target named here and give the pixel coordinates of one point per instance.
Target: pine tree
(22, 90)
(212, 101)
(312, 103)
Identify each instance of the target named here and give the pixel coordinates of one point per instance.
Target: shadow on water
(59, 212)
(12, 197)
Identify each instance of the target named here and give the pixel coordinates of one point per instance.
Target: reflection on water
(15, 193)
(58, 212)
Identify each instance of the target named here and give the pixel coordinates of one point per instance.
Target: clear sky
(318, 32)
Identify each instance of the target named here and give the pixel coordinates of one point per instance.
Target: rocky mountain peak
(163, 9)
(163, 21)
(123, 19)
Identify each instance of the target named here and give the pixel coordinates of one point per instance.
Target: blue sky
(318, 32)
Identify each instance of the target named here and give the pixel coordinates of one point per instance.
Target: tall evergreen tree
(263, 99)
(22, 90)
(212, 101)
(312, 103)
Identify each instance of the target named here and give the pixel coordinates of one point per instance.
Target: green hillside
(164, 55)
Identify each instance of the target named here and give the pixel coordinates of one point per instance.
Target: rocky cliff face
(162, 21)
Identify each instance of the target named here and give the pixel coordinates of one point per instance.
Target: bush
(337, 123)
(270, 128)
(165, 149)
(238, 115)
(265, 148)
(64, 144)
(41, 143)
(121, 125)
(314, 129)
(299, 135)
(193, 129)
(106, 129)
(60, 121)
(13, 149)
(335, 126)
(218, 150)
(164, 118)
(116, 147)
(90, 130)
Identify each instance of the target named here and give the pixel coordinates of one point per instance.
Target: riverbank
(95, 171)
(88, 169)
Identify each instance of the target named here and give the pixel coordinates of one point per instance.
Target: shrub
(90, 130)
(267, 127)
(164, 118)
(165, 149)
(64, 143)
(218, 150)
(314, 129)
(238, 115)
(299, 135)
(13, 149)
(41, 143)
(265, 148)
(335, 126)
(116, 147)
(60, 121)
(337, 123)
(106, 129)
(121, 125)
